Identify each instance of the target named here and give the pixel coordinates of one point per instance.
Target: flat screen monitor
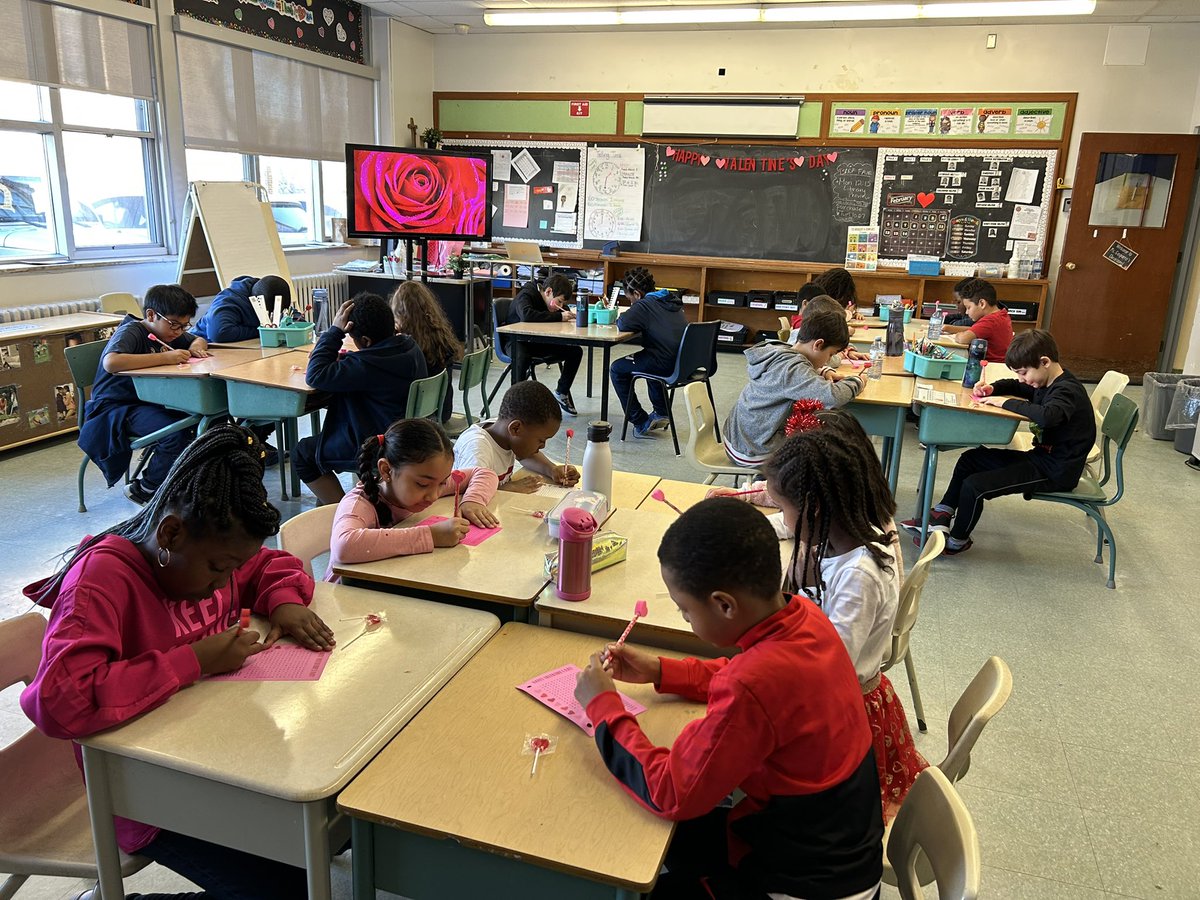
(403, 192)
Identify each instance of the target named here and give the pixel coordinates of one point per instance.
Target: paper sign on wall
(615, 193)
(516, 205)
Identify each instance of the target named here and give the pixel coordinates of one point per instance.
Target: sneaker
(658, 423)
(938, 521)
(272, 458)
(567, 404)
(954, 551)
(136, 492)
(645, 429)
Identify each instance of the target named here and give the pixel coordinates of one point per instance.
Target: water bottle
(597, 460)
(936, 322)
(895, 330)
(976, 354)
(876, 359)
(320, 309)
(581, 311)
(576, 529)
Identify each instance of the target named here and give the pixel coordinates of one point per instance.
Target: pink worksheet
(281, 662)
(474, 537)
(556, 689)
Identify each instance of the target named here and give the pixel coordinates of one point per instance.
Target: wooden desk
(603, 336)
(880, 409)
(892, 365)
(256, 765)
(255, 344)
(912, 332)
(686, 494)
(506, 569)
(449, 811)
(629, 488)
(188, 387)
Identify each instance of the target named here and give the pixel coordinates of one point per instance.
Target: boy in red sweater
(785, 724)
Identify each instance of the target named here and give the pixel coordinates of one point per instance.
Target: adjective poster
(1034, 121)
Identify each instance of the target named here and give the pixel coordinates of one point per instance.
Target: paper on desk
(556, 689)
(553, 490)
(280, 662)
(473, 538)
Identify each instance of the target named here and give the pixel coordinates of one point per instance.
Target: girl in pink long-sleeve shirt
(148, 607)
(401, 472)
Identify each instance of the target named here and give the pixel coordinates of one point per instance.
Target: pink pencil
(662, 498)
(570, 434)
(743, 493)
(639, 610)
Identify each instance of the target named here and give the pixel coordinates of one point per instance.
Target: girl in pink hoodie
(146, 608)
(401, 472)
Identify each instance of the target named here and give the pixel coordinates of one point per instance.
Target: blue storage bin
(951, 369)
(296, 335)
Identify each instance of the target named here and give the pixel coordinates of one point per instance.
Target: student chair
(83, 361)
(501, 308)
(906, 618)
(307, 535)
(119, 303)
(695, 363)
(934, 827)
(473, 373)
(785, 328)
(704, 449)
(1090, 496)
(425, 397)
(44, 824)
(985, 696)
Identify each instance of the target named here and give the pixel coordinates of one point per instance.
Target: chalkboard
(334, 27)
(963, 205)
(555, 226)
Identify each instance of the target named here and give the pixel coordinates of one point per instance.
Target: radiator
(335, 282)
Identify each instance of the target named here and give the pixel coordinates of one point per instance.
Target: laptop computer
(524, 252)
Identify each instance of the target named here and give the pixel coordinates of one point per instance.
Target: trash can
(1158, 392)
(1185, 409)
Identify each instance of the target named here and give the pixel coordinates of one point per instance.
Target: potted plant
(457, 264)
(432, 138)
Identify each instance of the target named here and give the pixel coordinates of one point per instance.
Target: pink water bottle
(576, 528)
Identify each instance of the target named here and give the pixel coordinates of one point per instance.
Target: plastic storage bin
(606, 316)
(884, 311)
(1158, 392)
(759, 299)
(286, 336)
(726, 298)
(951, 369)
(787, 301)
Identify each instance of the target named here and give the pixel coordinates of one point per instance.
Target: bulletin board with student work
(963, 205)
(538, 190)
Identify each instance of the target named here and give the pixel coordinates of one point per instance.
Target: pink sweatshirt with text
(115, 647)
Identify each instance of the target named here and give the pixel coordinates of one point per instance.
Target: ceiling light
(690, 14)
(544, 17)
(1000, 8)
(840, 12)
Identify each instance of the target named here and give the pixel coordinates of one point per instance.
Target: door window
(1132, 190)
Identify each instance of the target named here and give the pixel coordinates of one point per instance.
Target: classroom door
(1121, 254)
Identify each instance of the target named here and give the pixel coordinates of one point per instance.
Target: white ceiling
(440, 16)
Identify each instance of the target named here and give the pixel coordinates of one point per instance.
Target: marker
(662, 498)
(244, 622)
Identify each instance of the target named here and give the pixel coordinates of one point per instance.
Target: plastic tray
(289, 336)
(951, 369)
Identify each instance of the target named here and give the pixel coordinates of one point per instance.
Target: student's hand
(635, 666)
(478, 514)
(997, 402)
(526, 484)
(851, 353)
(342, 319)
(982, 390)
(226, 651)
(199, 348)
(567, 476)
(300, 622)
(719, 492)
(175, 356)
(449, 532)
(592, 681)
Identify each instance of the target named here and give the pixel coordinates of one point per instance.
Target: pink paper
(473, 538)
(281, 662)
(556, 689)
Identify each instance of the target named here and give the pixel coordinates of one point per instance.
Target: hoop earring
(163, 563)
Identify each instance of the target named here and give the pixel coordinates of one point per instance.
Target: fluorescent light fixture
(1002, 8)
(690, 14)
(553, 17)
(840, 12)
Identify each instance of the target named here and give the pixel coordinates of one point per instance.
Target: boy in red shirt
(785, 723)
(989, 320)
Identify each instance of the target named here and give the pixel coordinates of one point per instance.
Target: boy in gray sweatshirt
(781, 375)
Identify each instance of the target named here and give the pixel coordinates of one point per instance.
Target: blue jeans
(146, 418)
(223, 873)
(621, 373)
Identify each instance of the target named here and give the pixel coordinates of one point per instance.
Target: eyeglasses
(175, 326)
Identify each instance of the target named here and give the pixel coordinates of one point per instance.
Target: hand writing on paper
(997, 402)
(634, 666)
(342, 319)
(592, 681)
(226, 651)
(449, 532)
(720, 492)
(567, 476)
(478, 514)
(179, 357)
(982, 390)
(300, 622)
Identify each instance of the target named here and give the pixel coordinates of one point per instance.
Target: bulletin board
(528, 203)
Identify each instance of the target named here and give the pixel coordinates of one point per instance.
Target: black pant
(621, 373)
(984, 473)
(224, 873)
(569, 355)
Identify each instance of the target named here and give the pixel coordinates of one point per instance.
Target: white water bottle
(597, 460)
(877, 353)
(936, 322)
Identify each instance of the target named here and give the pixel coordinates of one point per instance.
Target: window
(26, 217)
(333, 193)
(215, 165)
(289, 184)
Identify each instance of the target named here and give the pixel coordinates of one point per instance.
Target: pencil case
(608, 549)
(589, 501)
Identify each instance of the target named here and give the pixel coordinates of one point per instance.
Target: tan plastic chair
(703, 449)
(785, 328)
(44, 825)
(119, 303)
(985, 696)
(307, 535)
(906, 618)
(934, 827)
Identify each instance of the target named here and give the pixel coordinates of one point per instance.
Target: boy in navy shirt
(231, 318)
(114, 416)
(369, 388)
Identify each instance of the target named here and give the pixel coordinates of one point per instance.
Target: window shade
(252, 102)
(65, 47)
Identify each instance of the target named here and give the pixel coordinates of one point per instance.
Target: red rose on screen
(404, 193)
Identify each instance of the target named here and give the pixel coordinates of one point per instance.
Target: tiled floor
(1085, 785)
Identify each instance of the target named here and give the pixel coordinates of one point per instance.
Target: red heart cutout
(721, 163)
(271, 24)
(670, 151)
(704, 160)
(926, 199)
(832, 157)
(798, 160)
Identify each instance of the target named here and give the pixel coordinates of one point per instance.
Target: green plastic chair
(473, 373)
(425, 397)
(83, 361)
(1090, 495)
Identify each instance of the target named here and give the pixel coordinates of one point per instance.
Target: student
(231, 318)
(959, 318)
(784, 724)
(657, 316)
(115, 416)
(420, 316)
(989, 320)
(836, 283)
(401, 472)
(546, 301)
(369, 387)
(780, 375)
(1064, 432)
(847, 559)
(148, 607)
(529, 417)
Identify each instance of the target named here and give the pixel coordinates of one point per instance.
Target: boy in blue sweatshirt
(231, 318)
(369, 389)
(657, 316)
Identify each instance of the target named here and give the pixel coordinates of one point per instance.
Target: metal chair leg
(713, 404)
(82, 468)
(918, 706)
(671, 419)
(496, 387)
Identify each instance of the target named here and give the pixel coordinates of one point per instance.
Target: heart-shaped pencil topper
(640, 609)
(659, 496)
(570, 432)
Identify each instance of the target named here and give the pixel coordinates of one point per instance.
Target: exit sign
(581, 108)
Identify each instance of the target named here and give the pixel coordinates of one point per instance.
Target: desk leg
(104, 834)
(604, 386)
(927, 484)
(362, 859)
(589, 381)
(292, 427)
(205, 421)
(316, 849)
(897, 446)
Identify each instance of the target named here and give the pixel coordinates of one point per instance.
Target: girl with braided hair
(148, 607)
(420, 316)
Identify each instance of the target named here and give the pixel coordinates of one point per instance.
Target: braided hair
(639, 279)
(406, 442)
(824, 473)
(214, 486)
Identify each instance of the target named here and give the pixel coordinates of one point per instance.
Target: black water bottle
(976, 354)
(895, 331)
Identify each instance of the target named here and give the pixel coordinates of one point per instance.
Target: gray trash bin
(1158, 392)
(1184, 411)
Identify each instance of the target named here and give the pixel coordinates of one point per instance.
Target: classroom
(442, 205)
